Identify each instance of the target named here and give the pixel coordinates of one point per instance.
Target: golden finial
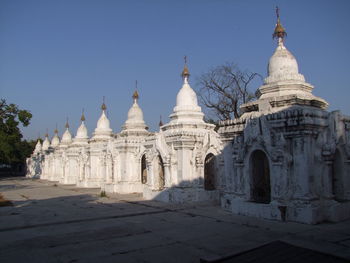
(103, 107)
(82, 116)
(47, 133)
(135, 95)
(185, 73)
(160, 121)
(67, 124)
(279, 32)
(56, 131)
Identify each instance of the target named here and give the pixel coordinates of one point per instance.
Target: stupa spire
(103, 106)
(82, 116)
(279, 32)
(160, 121)
(185, 72)
(135, 95)
(67, 124)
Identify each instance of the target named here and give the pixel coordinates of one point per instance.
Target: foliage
(224, 88)
(13, 150)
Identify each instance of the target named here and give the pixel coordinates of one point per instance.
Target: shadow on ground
(51, 223)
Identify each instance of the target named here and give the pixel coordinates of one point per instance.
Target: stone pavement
(55, 223)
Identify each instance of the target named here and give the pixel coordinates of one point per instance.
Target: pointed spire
(56, 130)
(135, 95)
(103, 106)
(82, 116)
(47, 133)
(185, 73)
(67, 124)
(160, 121)
(279, 31)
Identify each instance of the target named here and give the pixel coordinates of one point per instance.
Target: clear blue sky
(57, 57)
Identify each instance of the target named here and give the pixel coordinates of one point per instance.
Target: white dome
(135, 117)
(135, 114)
(66, 137)
(103, 129)
(186, 96)
(46, 144)
(82, 132)
(282, 61)
(283, 66)
(103, 123)
(186, 109)
(55, 140)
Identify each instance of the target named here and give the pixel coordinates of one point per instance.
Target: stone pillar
(278, 181)
(167, 174)
(327, 180)
(302, 167)
(240, 185)
(184, 150)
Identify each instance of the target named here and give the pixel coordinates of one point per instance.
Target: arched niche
(160, 172)
(260, 177)
(209, 172)
(143, 169)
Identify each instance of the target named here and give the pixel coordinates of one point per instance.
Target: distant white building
(285, 158)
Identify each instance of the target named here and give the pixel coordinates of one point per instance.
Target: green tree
(13, 150)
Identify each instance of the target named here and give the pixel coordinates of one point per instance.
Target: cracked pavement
(59, 223)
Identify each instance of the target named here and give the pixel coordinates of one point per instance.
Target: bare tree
(224, 88)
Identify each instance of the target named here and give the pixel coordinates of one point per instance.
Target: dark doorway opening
(161, 172)
(143, 169)
(209, 172)
(337, 176)
(260, 176)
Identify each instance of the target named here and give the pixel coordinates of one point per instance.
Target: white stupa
(82, 132)
(46, 143)
(186, 110)
(135, 120)
(38, 147)
(284, 86)
(66, 137)
(103, 130)
(55, 139)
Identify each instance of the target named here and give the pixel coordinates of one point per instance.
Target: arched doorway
(337, 176)
(260, 177)
(209, 172)
(160, 172)
(143, 169)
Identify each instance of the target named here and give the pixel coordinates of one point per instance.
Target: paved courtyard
(49, 222)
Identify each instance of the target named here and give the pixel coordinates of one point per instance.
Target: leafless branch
(224, 88)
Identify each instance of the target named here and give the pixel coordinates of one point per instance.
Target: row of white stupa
(267, 163)
(135, 122)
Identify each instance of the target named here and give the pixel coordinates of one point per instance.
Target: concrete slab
(57, 223)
